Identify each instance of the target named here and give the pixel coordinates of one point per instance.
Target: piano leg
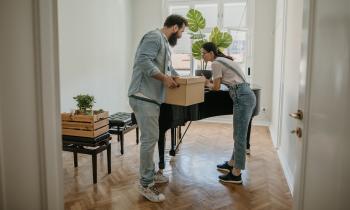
(161, 149)
(179, 132)
(248, 134)
(173, 141)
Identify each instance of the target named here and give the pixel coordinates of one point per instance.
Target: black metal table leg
(179, 132)
(94, 168)
(122, 143)
(109, 157)
(137, 135)
(248, 133)
(75, 154)
(173, 141)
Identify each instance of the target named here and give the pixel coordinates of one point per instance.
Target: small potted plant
(196, 24)
(84, 104)
(85, 122)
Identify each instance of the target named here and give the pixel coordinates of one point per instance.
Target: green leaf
(197, 36)
(84, 102)
(221, 39)
(215, 33)
(195, 20)
(196, 49)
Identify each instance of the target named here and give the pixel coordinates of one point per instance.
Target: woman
(227, 72)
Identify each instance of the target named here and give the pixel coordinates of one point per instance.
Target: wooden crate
(84, 125)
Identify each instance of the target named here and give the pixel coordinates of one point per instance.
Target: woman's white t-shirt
(227, 75)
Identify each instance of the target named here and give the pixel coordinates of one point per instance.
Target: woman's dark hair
(211, 47)
(175, 20)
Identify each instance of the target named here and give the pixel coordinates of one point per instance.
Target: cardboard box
(191, 91)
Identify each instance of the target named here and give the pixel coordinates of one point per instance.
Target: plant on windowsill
(196, 24)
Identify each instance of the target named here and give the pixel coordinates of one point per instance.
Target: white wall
(95, 48)
(147, 16)
(263, 54)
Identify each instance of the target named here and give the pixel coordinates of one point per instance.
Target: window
(210, 13)
(238, 47)
(180, 10)
(229, 15)
(235, 15)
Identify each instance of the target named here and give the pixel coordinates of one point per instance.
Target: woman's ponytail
(211, 47)
(220, 54)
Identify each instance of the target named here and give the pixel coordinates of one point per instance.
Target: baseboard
(273, 137)
(228, 119)
(261, 123)
(287, 173)
(220, 119)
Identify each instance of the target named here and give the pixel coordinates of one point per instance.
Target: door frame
(46, 57)
(304, 99)
(282, 75)
(43, 14)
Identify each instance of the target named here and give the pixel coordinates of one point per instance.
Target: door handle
(297, 115)
(297, 131)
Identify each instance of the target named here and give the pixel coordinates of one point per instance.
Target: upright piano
(215, 103)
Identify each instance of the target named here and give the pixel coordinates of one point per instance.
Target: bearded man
(152, 74)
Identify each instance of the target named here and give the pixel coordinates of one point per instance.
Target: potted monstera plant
(196, 25)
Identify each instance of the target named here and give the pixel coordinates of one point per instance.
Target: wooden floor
(193, 175)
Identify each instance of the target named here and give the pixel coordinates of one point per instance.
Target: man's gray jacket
(152, 57)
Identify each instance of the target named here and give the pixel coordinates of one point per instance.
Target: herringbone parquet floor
(193, 175)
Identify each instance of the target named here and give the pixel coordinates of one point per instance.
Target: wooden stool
(121, 123)
(98, 144)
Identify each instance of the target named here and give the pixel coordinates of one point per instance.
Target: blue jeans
(243, 106)
(147, 116)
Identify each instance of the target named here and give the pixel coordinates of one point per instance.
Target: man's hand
(169, 82)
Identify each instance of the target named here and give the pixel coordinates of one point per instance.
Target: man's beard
(173, 39)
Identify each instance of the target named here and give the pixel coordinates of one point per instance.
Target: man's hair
(175, 20)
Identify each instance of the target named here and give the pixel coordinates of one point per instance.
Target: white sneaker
(151, 193)
(159, 178)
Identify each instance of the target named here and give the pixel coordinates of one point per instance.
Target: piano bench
(89, 146)
(121, 123)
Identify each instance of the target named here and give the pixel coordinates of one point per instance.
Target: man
(152, 74)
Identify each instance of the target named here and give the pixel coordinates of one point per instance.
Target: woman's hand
(208, 83)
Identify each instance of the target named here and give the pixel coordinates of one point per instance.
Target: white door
(323, 168)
